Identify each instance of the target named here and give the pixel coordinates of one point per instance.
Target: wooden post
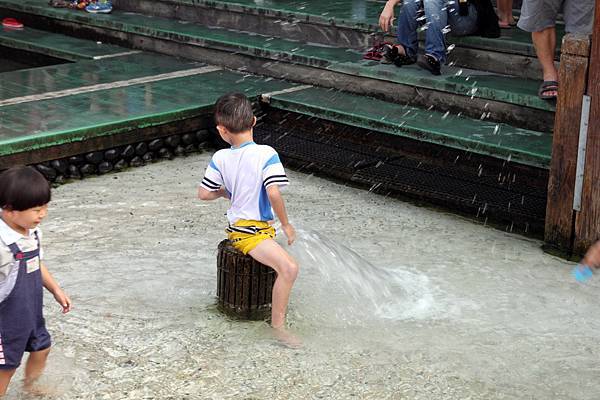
(587, 225)
(559, 229)
(244, 286)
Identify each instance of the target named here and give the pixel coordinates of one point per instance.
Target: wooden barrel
(244, 286)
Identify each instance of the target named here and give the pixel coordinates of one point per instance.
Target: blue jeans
(438, 15)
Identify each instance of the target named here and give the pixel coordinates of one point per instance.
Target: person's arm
(279, 207)
(592, 257)
(52, 286)
(204, 194)
(386, 19)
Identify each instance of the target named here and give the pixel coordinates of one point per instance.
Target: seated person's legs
(407, 27)
(436, 14)
(437, 19)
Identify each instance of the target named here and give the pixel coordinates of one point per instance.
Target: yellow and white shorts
(246, 234)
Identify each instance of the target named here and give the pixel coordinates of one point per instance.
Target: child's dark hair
(234, 112)
(22, 188)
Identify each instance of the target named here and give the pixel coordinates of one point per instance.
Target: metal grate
(496, 193)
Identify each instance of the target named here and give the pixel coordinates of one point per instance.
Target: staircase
(479, 128)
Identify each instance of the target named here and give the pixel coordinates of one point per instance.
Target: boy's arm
(52, 286)
(204, 194)
(279, 207)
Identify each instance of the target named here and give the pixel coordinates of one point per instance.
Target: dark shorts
(14, 343)
(537, 15)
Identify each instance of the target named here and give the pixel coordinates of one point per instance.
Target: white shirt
(9, 267)
(245, 172)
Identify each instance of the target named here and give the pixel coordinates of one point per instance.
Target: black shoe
(403, 59)
(390, 53)
(430, 63)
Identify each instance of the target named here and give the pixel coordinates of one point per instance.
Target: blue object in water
(582, 273)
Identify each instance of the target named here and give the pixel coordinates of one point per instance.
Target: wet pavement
(393, 301)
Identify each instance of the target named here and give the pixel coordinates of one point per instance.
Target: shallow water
(393, 301)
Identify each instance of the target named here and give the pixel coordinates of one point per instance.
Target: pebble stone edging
(116, 159)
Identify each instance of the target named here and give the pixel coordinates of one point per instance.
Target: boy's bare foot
(287, 338)
(39, 389)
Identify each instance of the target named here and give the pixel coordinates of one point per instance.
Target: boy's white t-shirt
(245, 172)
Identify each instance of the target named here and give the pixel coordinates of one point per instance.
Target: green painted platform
(462, 82)
(88, 72)
(56, 45)
(496, 140)
(48, 123)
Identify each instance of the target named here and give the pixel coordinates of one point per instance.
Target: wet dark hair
(234, 112)
(22, 188)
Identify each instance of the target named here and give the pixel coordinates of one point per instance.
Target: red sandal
(11, 23)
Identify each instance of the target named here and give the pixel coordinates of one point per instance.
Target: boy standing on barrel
(249, 175)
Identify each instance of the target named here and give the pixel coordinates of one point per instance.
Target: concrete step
(474, 93)
(342, 25)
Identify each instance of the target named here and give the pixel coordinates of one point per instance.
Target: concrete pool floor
(470, 312)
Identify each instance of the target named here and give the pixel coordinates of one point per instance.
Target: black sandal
(431, 64)
(547, 87)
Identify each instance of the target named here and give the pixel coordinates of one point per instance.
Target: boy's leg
(270, 253)
(35, 366)
(5, 377)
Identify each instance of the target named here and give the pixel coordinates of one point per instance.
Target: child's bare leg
(5, 377)
(270, 253)
(34, 367)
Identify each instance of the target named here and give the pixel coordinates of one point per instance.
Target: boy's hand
(64, 300)
(592, 257)
(290, 233)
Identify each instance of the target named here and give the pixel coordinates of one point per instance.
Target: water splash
(337, 284)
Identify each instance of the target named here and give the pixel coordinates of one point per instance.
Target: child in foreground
(250, 176)
(24, 198)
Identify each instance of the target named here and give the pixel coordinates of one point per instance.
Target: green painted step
(85, 73)
(513, 90)
(360, 15)
(496, 140)
(41, 124)
(57, 45)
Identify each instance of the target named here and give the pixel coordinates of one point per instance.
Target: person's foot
(39, 389)
(548, 90)
(390, 52)
(287, 338)
(507, 24)
(403, 58)
(430, 63)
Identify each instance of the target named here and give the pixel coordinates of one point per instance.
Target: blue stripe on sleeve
(213, 166)
(272, 160)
